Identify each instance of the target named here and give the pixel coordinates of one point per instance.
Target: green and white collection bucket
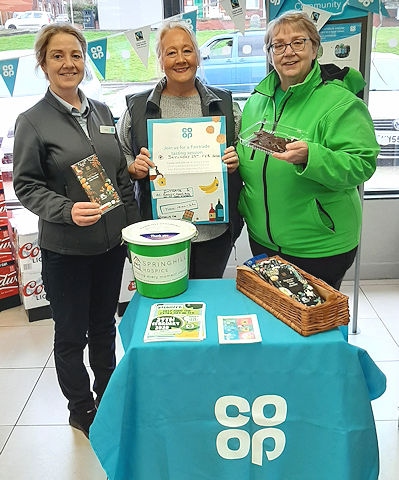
(160, 254)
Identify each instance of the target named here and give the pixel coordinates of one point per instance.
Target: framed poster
(343, 42)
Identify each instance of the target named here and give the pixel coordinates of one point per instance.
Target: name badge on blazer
(107, 129)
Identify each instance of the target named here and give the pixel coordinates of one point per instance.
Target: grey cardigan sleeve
(124, 126)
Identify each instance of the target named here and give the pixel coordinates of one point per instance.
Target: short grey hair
(295, 18)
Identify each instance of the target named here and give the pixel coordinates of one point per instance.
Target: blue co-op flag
(373, 6)
(9, 70)
(191, 19)
(97, 50)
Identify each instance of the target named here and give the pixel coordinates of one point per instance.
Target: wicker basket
(334, 311)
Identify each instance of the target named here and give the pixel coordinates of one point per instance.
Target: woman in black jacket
(180, 94)
(82, 255)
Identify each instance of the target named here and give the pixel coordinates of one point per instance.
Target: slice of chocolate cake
(268, 142)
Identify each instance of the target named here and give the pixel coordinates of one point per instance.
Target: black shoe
(83, 421)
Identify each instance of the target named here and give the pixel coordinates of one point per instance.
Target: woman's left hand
(85, 214)
(230, 158)
(296, 153)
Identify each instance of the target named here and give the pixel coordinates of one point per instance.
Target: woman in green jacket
(303, 203)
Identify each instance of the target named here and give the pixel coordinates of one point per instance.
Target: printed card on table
(238, 329)
(189, 181)
(96, 184)
(176, 322)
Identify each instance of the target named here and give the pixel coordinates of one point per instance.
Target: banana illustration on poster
(189, 179)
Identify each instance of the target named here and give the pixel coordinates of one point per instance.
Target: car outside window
(237, 62)
(251, 46)
(220, 49)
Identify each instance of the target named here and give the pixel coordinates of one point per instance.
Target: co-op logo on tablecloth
(235, 443)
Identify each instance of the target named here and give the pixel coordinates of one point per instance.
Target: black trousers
(209, 259)
(83, 292)
(330, 269)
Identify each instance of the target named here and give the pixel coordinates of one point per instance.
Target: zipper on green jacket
(275, 123)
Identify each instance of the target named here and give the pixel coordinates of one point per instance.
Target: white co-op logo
(245, 442)
(366, 3)
(97, 52)
(8, 70)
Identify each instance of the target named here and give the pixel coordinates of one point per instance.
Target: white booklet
(176, 322)
(239, 329)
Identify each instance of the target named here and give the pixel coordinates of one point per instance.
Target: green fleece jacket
(311, 210)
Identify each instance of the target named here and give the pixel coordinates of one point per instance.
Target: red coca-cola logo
(33, 288)
(28, 250)
(132, 286)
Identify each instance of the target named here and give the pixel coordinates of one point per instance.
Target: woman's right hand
(141, 165)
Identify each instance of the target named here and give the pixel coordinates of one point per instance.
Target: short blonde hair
(292, 18)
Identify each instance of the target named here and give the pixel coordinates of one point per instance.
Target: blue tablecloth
(289, 408)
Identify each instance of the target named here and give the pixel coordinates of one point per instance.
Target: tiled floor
(36, 442)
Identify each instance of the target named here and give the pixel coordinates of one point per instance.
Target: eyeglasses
(296, 45)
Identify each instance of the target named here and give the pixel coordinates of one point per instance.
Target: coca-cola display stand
(128, 288)
(24, 242)
(9, 291)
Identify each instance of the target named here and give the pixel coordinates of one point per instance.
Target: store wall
(128, 14)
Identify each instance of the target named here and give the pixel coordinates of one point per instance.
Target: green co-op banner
(340, 9)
